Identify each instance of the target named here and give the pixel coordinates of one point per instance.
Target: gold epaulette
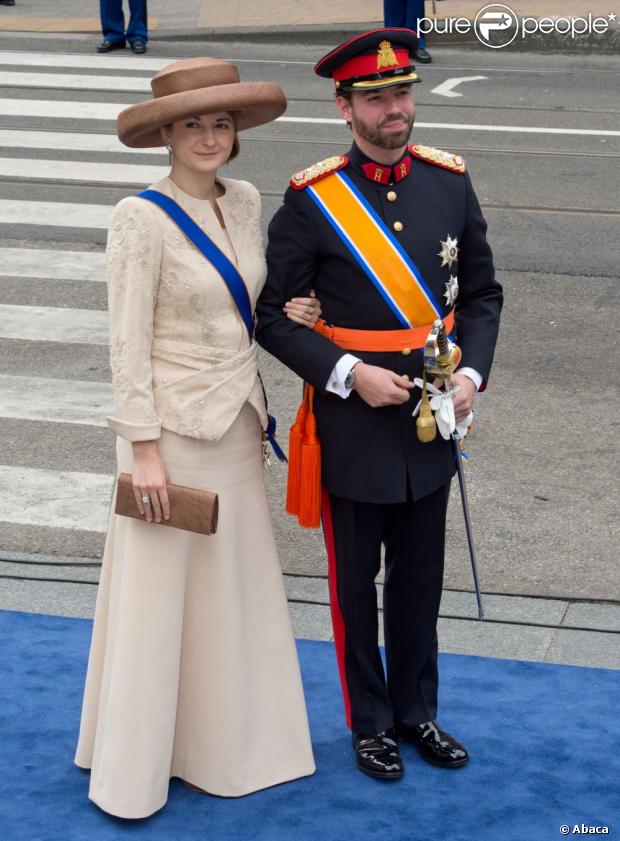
(447, 160)
(317, 171)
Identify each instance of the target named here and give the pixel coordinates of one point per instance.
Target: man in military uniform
(391, 237)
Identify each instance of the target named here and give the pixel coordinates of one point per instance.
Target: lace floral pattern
(125, 357)
(164, 293)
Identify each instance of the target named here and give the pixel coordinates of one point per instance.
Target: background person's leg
(394, 13)
(138, 26)
(112, 20)
(415, 11)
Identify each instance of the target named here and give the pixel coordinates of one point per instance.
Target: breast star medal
(449, 251)
(452, 290)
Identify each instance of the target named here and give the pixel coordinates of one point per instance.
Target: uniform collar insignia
(378, 173)
(402, 168)
(384, 174)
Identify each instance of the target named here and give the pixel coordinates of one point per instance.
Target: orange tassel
(310, 486)
(293, 485)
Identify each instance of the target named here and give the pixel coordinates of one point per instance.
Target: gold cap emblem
(386, 57)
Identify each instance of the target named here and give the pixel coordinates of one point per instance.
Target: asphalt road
(538, 137)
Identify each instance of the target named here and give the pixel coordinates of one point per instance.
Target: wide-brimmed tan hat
(192, 88)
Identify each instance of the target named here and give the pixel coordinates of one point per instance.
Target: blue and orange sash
(377, 251)
(401, 285)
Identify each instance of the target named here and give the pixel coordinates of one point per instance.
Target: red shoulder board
(447, 160)
(317, 171)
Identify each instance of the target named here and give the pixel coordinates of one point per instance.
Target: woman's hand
(148, 477)
(304, 311)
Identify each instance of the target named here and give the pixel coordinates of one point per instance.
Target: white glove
(443, 406)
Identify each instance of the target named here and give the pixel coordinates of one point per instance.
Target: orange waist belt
(303, 492)
(377, 341)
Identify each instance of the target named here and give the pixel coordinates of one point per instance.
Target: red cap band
(368, 65)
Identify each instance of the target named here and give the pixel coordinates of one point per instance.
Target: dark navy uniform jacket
(373, 455)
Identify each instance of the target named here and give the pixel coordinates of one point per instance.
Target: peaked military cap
(375, 59)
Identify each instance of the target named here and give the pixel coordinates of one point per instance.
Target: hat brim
(255, 103)
(374, 84)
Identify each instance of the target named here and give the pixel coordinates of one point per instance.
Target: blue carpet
(544, 739)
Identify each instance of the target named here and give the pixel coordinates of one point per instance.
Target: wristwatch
(349, 380)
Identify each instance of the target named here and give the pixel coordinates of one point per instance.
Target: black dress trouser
(413, 534)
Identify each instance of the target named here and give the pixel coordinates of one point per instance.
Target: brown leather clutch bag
(190, 509)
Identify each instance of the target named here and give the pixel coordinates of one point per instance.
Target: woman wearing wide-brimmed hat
(193, 670)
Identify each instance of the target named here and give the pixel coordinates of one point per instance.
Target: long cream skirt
(193, 671)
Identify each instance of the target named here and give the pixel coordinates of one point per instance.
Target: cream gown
(192, 670)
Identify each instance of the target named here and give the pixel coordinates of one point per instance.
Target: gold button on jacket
(398, 226)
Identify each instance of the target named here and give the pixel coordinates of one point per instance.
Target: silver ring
(146, 498)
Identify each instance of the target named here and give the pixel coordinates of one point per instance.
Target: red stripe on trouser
(337, 618)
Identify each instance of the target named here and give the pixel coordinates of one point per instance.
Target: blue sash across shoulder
(226, 270)
(217, 258)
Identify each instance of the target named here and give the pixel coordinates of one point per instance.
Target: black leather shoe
(378, 756)
(138, 47)
(107, 46)
(422, 56)
(435, 745)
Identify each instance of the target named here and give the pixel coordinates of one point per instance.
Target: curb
(607, 44)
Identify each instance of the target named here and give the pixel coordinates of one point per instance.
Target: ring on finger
(146, 499)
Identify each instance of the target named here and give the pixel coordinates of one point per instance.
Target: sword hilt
(442, 341)
(441, 356)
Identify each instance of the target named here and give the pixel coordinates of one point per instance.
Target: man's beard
(381, 138)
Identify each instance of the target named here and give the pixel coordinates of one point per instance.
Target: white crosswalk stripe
(57, 499)
(74, 82)
(53, 265)
(75, 171)
(56, 214)
(54, 324)
(70, 142)
(118, 61)
(60, 109)
(68, 61)
(55, 401)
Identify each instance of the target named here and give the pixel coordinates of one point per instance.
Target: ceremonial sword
(441, 357)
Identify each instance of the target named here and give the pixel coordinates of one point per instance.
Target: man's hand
(380, 387)
(464, 400)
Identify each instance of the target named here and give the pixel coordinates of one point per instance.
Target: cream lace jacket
(180, 354)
